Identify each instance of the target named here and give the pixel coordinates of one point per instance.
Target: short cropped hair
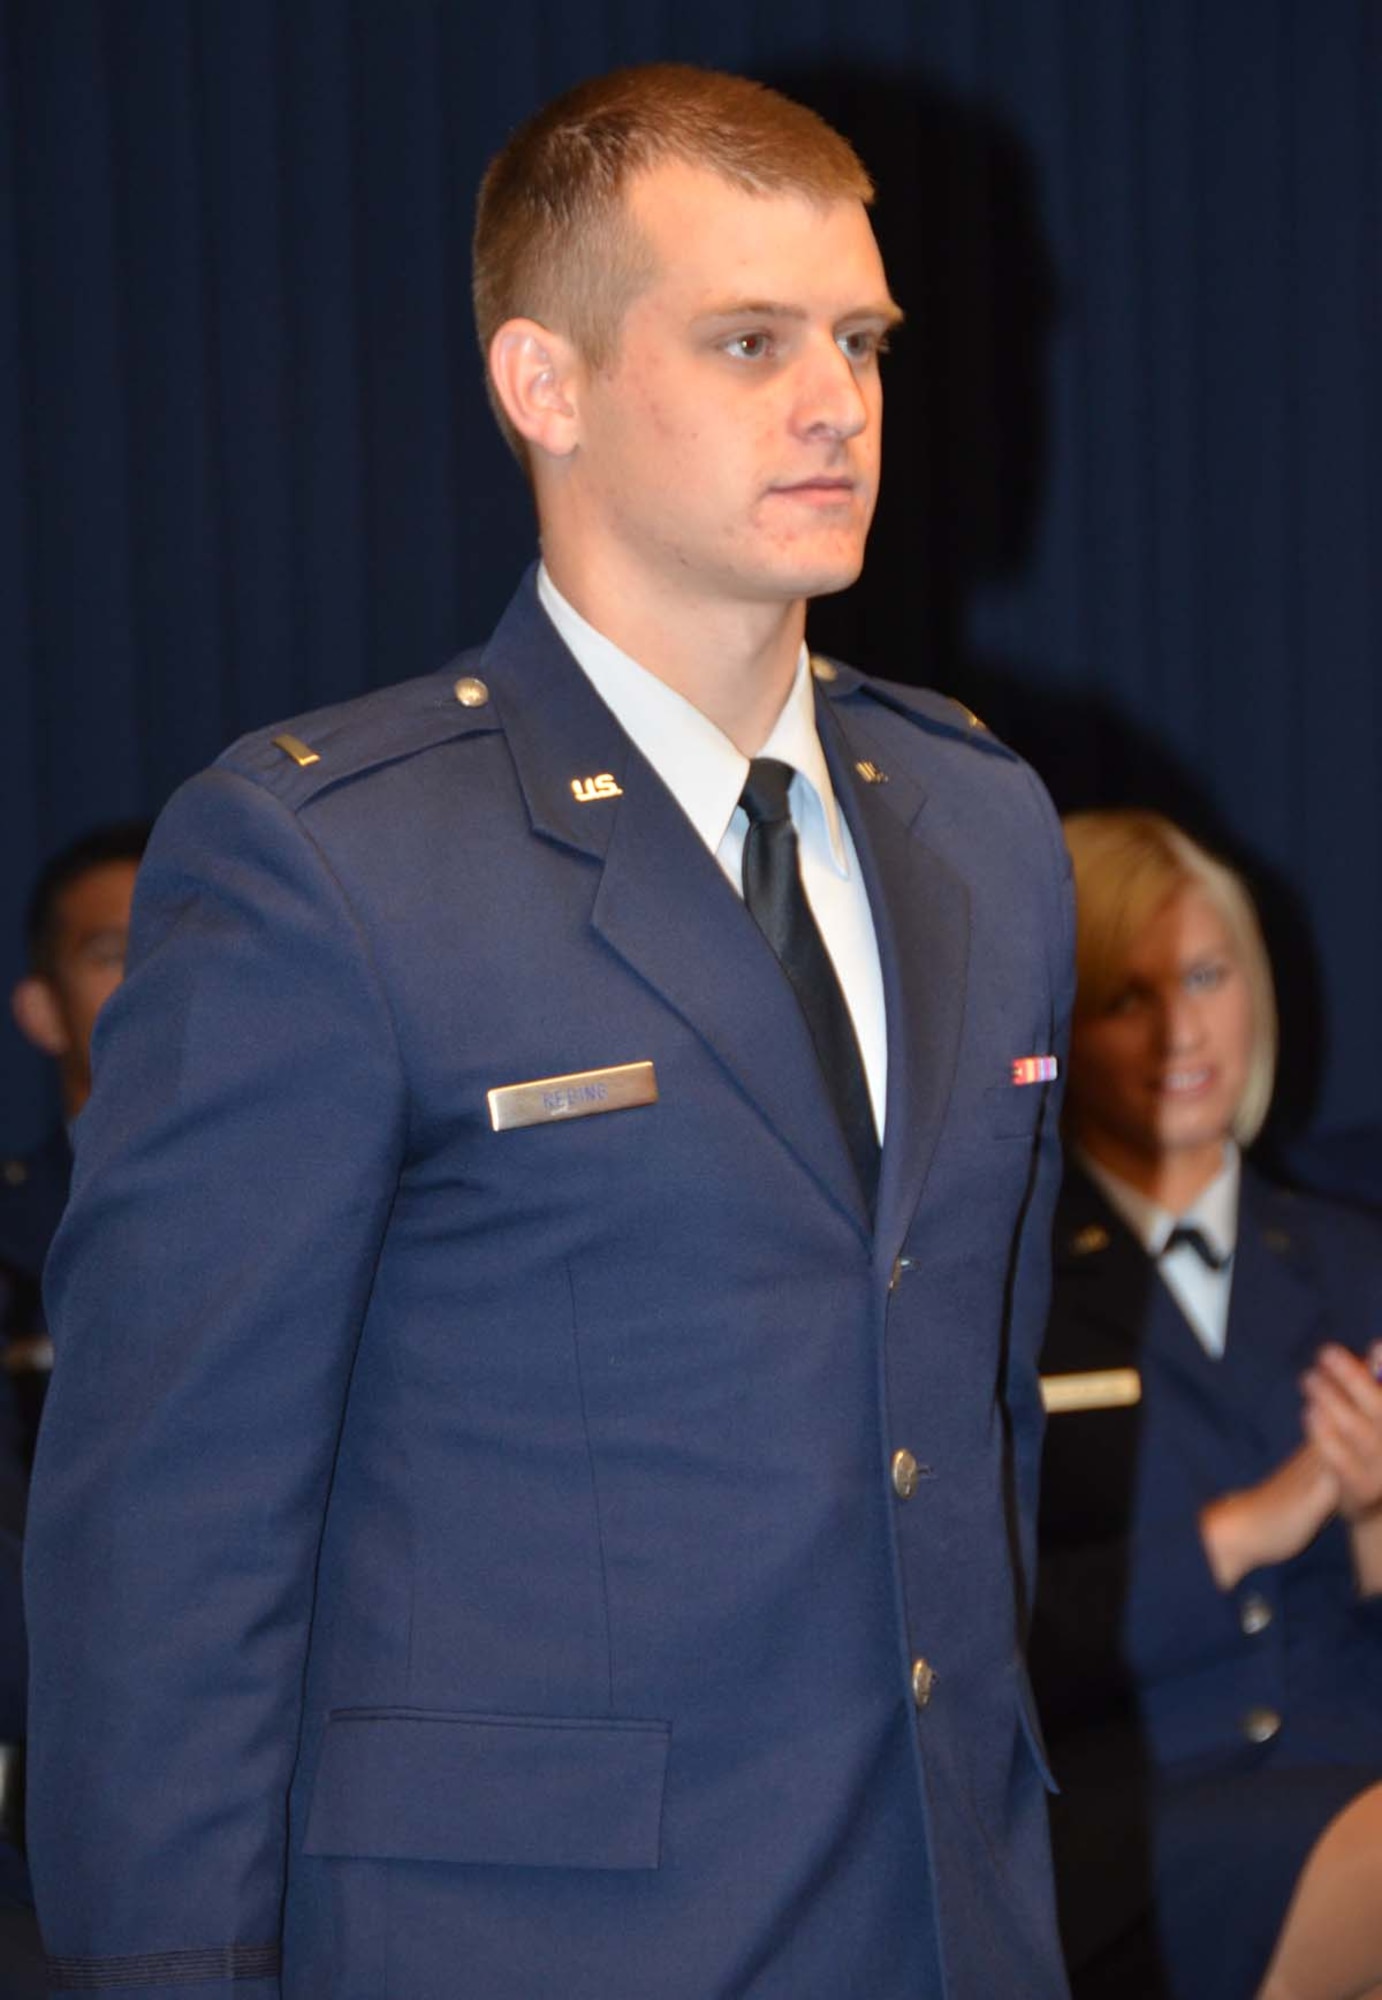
(122, 840)
(1128, 864)
(554, 241)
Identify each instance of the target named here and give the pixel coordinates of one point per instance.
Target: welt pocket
(414, 1784)
(1013, 1110)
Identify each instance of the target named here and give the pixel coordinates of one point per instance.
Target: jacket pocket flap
(521, 1791)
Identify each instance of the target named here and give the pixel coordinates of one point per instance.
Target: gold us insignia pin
(586, 790)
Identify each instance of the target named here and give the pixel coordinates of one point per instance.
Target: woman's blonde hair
(1127, 865)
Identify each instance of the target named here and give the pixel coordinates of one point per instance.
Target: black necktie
(1196, 1240)
(777, 903)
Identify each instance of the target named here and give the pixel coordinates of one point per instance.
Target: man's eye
(750, 346)
(863, 344)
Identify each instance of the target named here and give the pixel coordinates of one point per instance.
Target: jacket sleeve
(1128, 1609)
(235, 1169)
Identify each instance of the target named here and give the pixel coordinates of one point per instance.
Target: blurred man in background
(78, 917)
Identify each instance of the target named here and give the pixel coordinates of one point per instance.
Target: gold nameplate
(579, 1095)
(1098, 1389)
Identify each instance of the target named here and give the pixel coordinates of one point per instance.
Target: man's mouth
(825, 489)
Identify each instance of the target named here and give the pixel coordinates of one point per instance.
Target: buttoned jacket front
(492, 1535)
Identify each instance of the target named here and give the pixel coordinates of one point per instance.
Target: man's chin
(827, 577)
(796, 574)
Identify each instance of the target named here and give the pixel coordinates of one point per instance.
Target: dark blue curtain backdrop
(1134, 439)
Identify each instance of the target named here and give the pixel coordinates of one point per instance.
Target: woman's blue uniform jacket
(1167, 1701)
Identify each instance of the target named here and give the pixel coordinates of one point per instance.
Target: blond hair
(554, 241)
(1128, 864)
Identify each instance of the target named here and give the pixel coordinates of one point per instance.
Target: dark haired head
(122, 840)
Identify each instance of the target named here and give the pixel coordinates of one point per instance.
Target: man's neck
(734, 661)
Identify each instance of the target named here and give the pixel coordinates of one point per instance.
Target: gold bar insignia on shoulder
(1095, 1389)
(582, 1094)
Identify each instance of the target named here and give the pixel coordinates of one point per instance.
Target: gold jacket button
(471, 693)
(906, 1473)
(1260, 1725)
(1254, 1614)
(923, 1681)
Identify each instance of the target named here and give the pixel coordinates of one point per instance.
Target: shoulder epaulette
(306, 755)
(940, 713)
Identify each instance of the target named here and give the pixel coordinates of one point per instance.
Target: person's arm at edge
(234, 1175)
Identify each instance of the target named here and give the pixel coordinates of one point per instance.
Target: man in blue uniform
(537, 1489)
(76, 931)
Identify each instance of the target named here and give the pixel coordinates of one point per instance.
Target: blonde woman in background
(1208, 1634)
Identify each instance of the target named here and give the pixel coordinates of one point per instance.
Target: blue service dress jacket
(474, 1564)
(1203, 1739)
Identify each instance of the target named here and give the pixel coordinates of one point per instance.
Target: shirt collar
(701, 768)
(1214, 1212)
(795, 740)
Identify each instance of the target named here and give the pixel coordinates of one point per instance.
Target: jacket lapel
(1106, 1287)
(1114, 1298)
(920, 910)
(1115, 1304)
(662, 901)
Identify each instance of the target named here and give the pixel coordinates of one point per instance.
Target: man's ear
(534, 373)
(39, 1016)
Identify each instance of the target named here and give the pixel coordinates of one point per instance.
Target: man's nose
(831, 395)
